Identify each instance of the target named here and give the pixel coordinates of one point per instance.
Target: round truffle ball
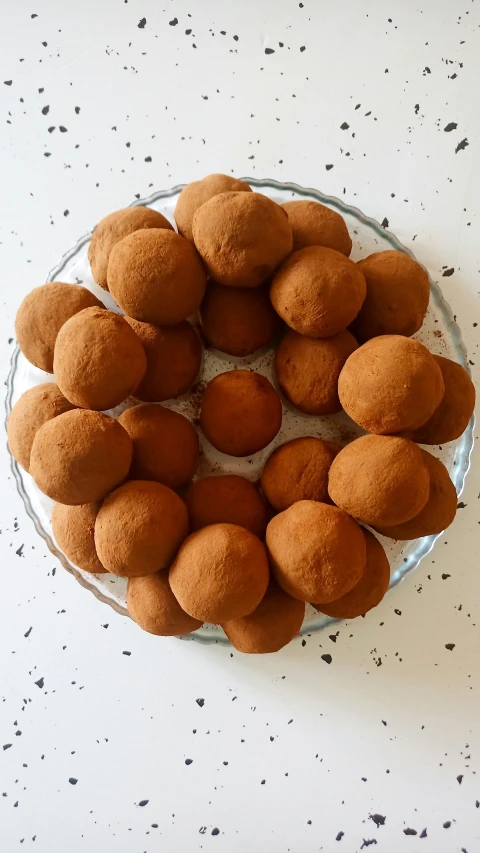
(317, 552)
(390, 384)
(227, 499)
(74, 528)
(397, 297)
(114, 228)
(98, 361)
(152, 605)
(242, 237)
(298, 471)
(197, 193)
(277, 620)
(156, 276)
(78, 457)
(307, 370)
(314, 224)
(380, 480)
(43, 313)
(140, 528)
(165, 444)
(221, 572)
(238, 320)
(174, 356)
(450, 418)
(34, 408)
(318, 291)
(241, 412)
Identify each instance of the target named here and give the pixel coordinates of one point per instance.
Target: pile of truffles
(239, 273)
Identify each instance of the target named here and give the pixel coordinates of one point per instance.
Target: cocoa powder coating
(34, 408)
(174, 356)
(197, 193)
(152, 605)
(226, 499)
(74, 528)
(238, 320)
(277, 620)
(314, 224)
(450, 418)
(298, 471)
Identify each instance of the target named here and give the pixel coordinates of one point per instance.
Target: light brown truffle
(140, 528)
(156, 276)
(152, 605)
(298, 471)
(221, 572)
(174, 356)
(314, 224)
(78, 457)
(30, 412)
(242, 237)
(277, 620)
(241, 412)
(73, 528)
(197, 193)
(450, 418)
(98, 361)
(114, 228)
(317, 552)
(227, 499)
(165, 444)
(43, 313)
(380, 480)
(390, 384)
(307, 370)
(238, 320)
(318, 292)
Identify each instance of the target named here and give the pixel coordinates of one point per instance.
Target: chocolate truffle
(43, 313)
(156, 276)
(307, 370)
(380, 480)
(174, 355)
(318, 292)
(390, 384)
(165, 444)
(238, 320)
(114, 228)
(241, 413)
(227, 499)
(74, 528)
(314, 224)
(317, 552)
(140, 528)
(78, 457)
(221, 572)
(197, 193)
(298, 471)
(397, 297)
(277, 620)
(450, 418)
(98, 361)
(242, 237)
(152, 605)
(30, 412)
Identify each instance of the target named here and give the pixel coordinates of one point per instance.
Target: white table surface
(106, 100)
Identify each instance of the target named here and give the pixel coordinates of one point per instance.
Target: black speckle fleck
(344, 126)
(62, 128)
(450, 646)
(19, 551)
(423, 833)
(77, 110)
(461, 505)
(269, 50)
(385, 222)
(143, 803)
(329, 166)
(460, 778)
(339, 836)
(72, 780)
(8, 82)
(142, 23)
(448, 273)
(410, 831)
(6, 746)
(447, 824)
(302, 48)
(40, 682)
(174, 22)
(200, 702)
(215, 830)
(461, 145)
(148, 159)
(188, 761)
(27, 633)
(367, 842)
(452, 125)
(378, 819)
(327, 658)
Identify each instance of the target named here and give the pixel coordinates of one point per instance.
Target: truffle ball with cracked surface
(298, 471)
(450, 418)
(315, 224)
(74, 529)
(152, 605)
(174, 356)
(226, 499)
(238, 320)
(34, 408)
(197, 193)
(277, 620)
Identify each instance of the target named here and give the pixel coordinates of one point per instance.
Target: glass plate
(440, 333)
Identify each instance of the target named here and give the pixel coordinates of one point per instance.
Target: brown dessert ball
(174, 356)
(277, 620)
(34, 408)
(98, 361)
(238, 320)
(197, 193)
(380, 480)
(298, 471)
(241, 413)
(152, 605)
(314, 224)
(221, 572)
(397, 297)
(317, 552)
(242, 237)
(156, 276)
(74, 528)
(307, 370)
(318, 292)
(43, 313)
(78, 457)
(450, 418)
(228, 499)
(390, 384)
(140, 528)
(165, 444)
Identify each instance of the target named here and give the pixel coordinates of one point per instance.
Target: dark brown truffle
(152, 605)
(314, 224)
(227, 499)
(197, 193)
(450, 418)
(277, 620)
(298, 471)
(74, 528)
(238, 320)
(30, 412)
(174, 355)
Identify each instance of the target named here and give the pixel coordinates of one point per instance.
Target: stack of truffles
(221, 549)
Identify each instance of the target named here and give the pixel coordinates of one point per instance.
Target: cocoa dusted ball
(78, 457)
(238, 320)
(140, 528)
(43, 313)
(152, 605)
(450, 418)
(98, 361)
(197, 193)
(277, 620)
(227, 499)
(242, 237)
(34, 408)
(174, 356)
(74, 529)
(318, 291)
(165, 444)
(314, 224)
(156, 276)
(380, 480)
(241, 412)
(298, 471)
(390, 384)
(221, 572)
(307, 370)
